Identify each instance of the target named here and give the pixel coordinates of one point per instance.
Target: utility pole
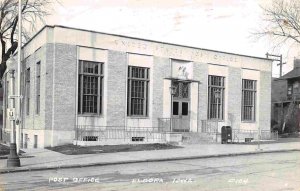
(277, 58)
(18, 116)
(14, 112)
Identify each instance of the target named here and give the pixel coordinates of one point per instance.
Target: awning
(182, 80)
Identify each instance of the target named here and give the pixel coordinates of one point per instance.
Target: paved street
(44, 158)
(273, 171)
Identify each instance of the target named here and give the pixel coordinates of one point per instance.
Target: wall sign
(174, 51)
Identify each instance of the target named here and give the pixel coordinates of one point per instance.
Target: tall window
(138, 90)
(90, 87)
(216, 87)
(248, 100)
(38, 87)
(27, 77)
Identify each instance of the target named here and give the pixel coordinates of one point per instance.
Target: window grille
(90, 87)
(216, 88)
(138, 90)
(181, 89)
(248, 100)
(137, 139)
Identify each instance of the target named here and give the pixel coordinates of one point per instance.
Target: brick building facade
(73, 77)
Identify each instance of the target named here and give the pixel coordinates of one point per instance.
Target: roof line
(45, 26)
(294, 73)
(136, 38)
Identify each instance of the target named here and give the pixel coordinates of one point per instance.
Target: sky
(224, 25)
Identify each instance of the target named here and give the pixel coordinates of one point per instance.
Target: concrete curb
(20, 156)
(24, 169)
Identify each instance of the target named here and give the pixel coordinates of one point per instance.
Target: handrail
(174, 124)
(101, 133)
(239, 134)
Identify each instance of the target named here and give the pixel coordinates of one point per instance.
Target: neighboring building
(286, 99)
(77, 81)
(1, 111)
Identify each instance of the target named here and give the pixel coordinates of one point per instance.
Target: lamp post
(172, 92)
(217, 95)
(13, 158)
(259, 137)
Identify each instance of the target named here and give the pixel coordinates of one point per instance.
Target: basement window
(137, 139)
(90, 138)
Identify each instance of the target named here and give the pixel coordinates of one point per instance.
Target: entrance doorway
(181, 106)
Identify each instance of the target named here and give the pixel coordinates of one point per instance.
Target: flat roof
(118, 35)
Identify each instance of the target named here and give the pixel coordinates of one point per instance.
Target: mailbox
(226, 134)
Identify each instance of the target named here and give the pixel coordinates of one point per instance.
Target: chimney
(296, 63)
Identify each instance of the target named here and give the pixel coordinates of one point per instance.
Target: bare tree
(282, 25)
(33, 11)
(282, 22)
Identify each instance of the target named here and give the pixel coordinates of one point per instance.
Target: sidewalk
(43, 159)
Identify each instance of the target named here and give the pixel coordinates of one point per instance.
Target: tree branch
(32, 11)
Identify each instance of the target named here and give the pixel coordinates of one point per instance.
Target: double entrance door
(180, 106)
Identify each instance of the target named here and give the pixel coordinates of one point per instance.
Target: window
(138, 85)
(90, 138)
(216, 87)
(296, 87)
(27, 79)
(290, 90)
(181, 90)
(248, 100)
(175, 108)
(90, 87)
(185, 108)
(137, 139)
(38, 87)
